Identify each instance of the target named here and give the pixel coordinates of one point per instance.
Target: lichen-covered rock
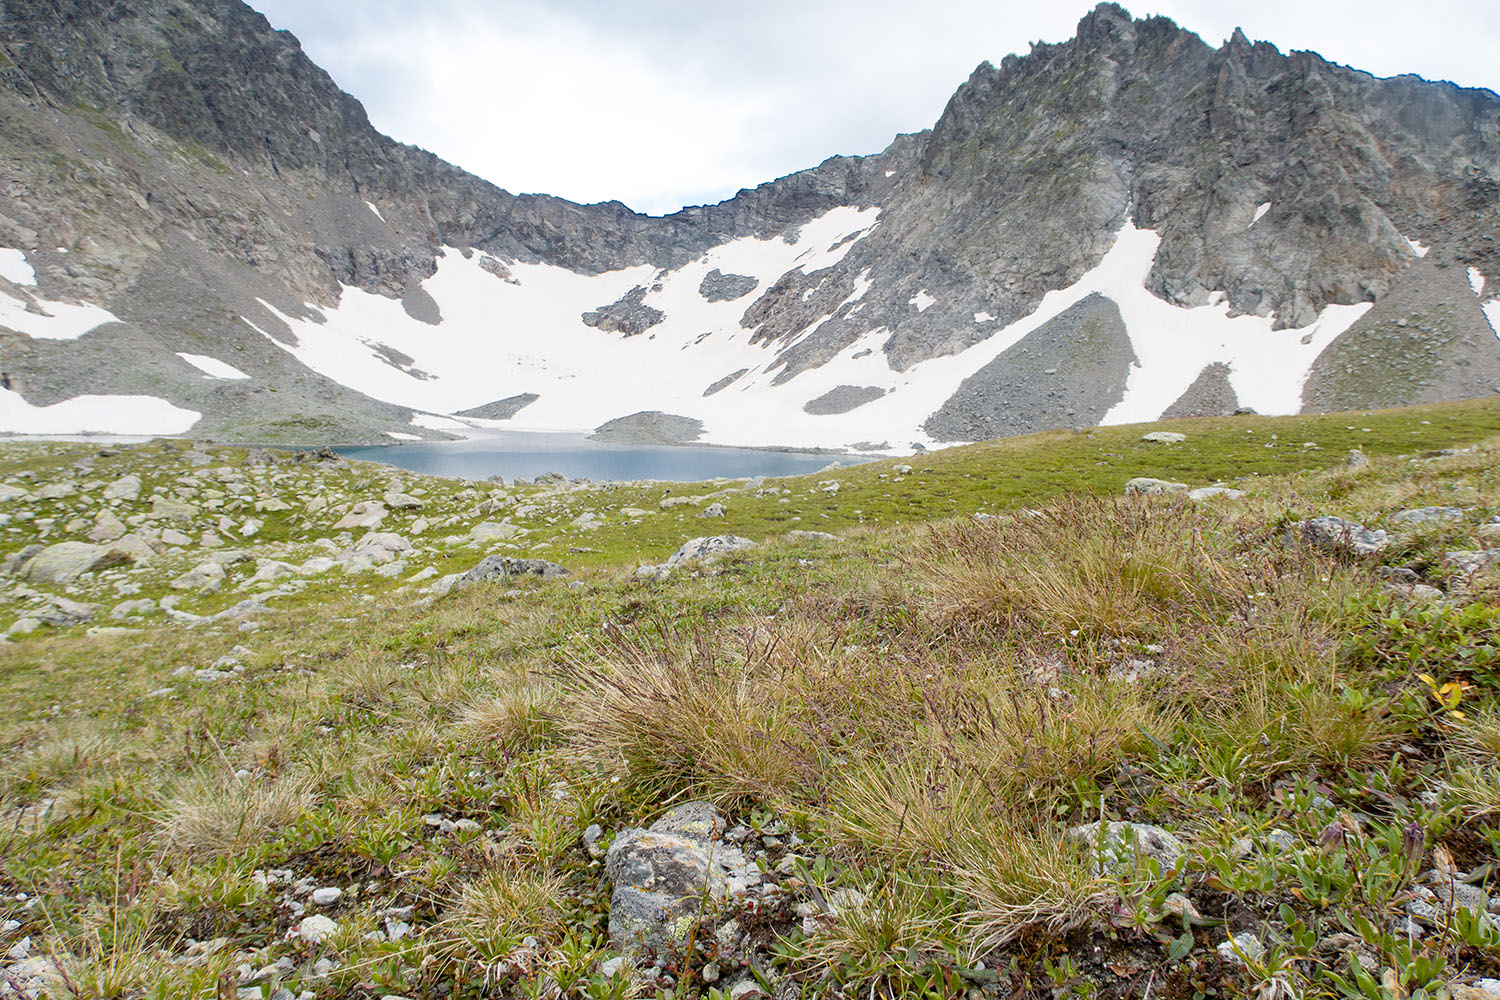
(1336, 535)
(66, 561)
(1146, 486)
(1120, 847)
(663, 875)
(708, 548)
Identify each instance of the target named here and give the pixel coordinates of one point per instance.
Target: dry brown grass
(1107, 568)
(217, 814)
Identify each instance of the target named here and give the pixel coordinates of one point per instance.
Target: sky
(684, 102)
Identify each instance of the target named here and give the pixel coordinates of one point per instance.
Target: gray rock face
(1067, 373)
(842, 399)
(649, 427)
(628, 314)
(724, 382)
(720, 287)
(1210, 395)
(1334, 534)
(501, 409)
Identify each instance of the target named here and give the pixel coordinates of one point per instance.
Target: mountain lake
(526, 455)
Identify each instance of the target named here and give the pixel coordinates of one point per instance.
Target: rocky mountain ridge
(188, 171)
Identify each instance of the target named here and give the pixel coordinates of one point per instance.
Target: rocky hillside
(202, 234)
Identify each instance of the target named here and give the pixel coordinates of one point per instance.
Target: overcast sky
(677, 102)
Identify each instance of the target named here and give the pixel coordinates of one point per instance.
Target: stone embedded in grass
(205, 577)
(709, 548)
(1356, 459)
(316, 928)
(33, 978)
(1146, 486)
(327, 895)
(1428, 515)
(1336, 535)
(401, 501)
(1471, 561)
(662, 876)
(1243, 947)
(365, 514)
(713, 510)
(1210, 492)
(1164, 437)
(1122, 847)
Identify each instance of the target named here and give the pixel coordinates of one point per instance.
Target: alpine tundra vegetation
(1198, 709)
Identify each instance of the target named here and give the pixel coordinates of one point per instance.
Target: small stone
(1244, 943)
(327, 896)
(747, 990)
(713, 510)
(316, 928)
(1356, 459)
(20, 950)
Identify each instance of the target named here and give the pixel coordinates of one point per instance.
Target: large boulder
(365, 514)
(66, 561)
(124, 488)
(375, 549)
(504, 567)
(709, 548)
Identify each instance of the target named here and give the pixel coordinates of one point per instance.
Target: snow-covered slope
(518, 329)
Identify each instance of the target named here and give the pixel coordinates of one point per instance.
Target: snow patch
(372, 208)
(1260, 212)
(921, 300)
(212, 367)
(1417, 247)
(13, 268)
(1492, 313)
(1476, 280)
(403, 436)
(125, 415)
(55, 320)
(983, 317)
(890, 173)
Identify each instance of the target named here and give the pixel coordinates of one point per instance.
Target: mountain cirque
(202, 235)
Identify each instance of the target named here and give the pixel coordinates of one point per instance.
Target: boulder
(9, 492)
(1356, 459)
(1164, 437)
(205, 577)
(401, 501)
(493, 531)
(1146, 486)
(66, 561)
(662, 875)
(365, 514)
(1427, 515)
(708, 548)
(1471, 561)
(106, 528)
(504, 568)
(1336, 535)
(1211, 492)
(172, 510)
(124, 488)
(32, 979)
(375, 549)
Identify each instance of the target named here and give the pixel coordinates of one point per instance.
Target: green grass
(928, 703)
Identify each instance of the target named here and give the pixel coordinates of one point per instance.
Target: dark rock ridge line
(194, 164)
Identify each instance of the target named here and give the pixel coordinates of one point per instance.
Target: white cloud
(684, 102)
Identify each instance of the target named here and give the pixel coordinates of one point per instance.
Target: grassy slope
(927, 701)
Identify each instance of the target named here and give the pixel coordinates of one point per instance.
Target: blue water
(518, 455)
